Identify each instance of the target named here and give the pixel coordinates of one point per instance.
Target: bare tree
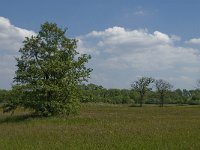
(198, 84)
(162, 88)
(142, 86)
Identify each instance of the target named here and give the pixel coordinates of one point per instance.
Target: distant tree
(142, 86)
(92, 93)
(194, 98)
(186, 95)
(96, 93)
(49, 72)
(178, 96)
(162, 87)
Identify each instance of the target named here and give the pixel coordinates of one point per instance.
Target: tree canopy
(49, 72)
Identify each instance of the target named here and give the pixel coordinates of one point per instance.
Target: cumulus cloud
(140, 51)
(139, 48)
(11, 38)
(194, 41)
(120, 36)
(119, 55)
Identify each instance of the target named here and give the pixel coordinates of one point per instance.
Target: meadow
(104, 126)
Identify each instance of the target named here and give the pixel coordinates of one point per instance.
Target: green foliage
(193, 97)
(3, 94)
(95, 93)
(49, 73)
(13, 99)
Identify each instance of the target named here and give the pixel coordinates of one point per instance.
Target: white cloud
(194, 41)
(11, 38)
(86, 48)
(162, 37)
(140, 51)
(119, 55)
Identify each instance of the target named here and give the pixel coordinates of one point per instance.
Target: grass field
(101, 126)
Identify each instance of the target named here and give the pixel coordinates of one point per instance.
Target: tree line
(96, 93)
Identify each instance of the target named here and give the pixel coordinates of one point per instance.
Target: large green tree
(49, 72)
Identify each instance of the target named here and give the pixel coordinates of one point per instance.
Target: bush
(3, 95)
(193, 102)
(152, 101)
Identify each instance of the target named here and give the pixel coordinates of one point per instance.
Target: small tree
(49, 72)
(142, 86)
(162, 88)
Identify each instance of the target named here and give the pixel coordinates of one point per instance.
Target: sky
(127, 39)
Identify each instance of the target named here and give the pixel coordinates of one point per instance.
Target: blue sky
(126, 38)
(177, 17)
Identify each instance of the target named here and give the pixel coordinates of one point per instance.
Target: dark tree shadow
(18, 118)
(135, 105)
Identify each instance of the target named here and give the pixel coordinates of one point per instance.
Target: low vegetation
(105, 126)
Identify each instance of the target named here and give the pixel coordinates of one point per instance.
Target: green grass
(101, 126)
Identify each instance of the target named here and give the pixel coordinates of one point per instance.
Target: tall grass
(105, 127)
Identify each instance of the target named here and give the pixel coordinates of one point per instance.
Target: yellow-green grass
(100, 126)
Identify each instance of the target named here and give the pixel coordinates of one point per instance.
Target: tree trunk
(141, 100)
(161, 101)
(49, 94)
